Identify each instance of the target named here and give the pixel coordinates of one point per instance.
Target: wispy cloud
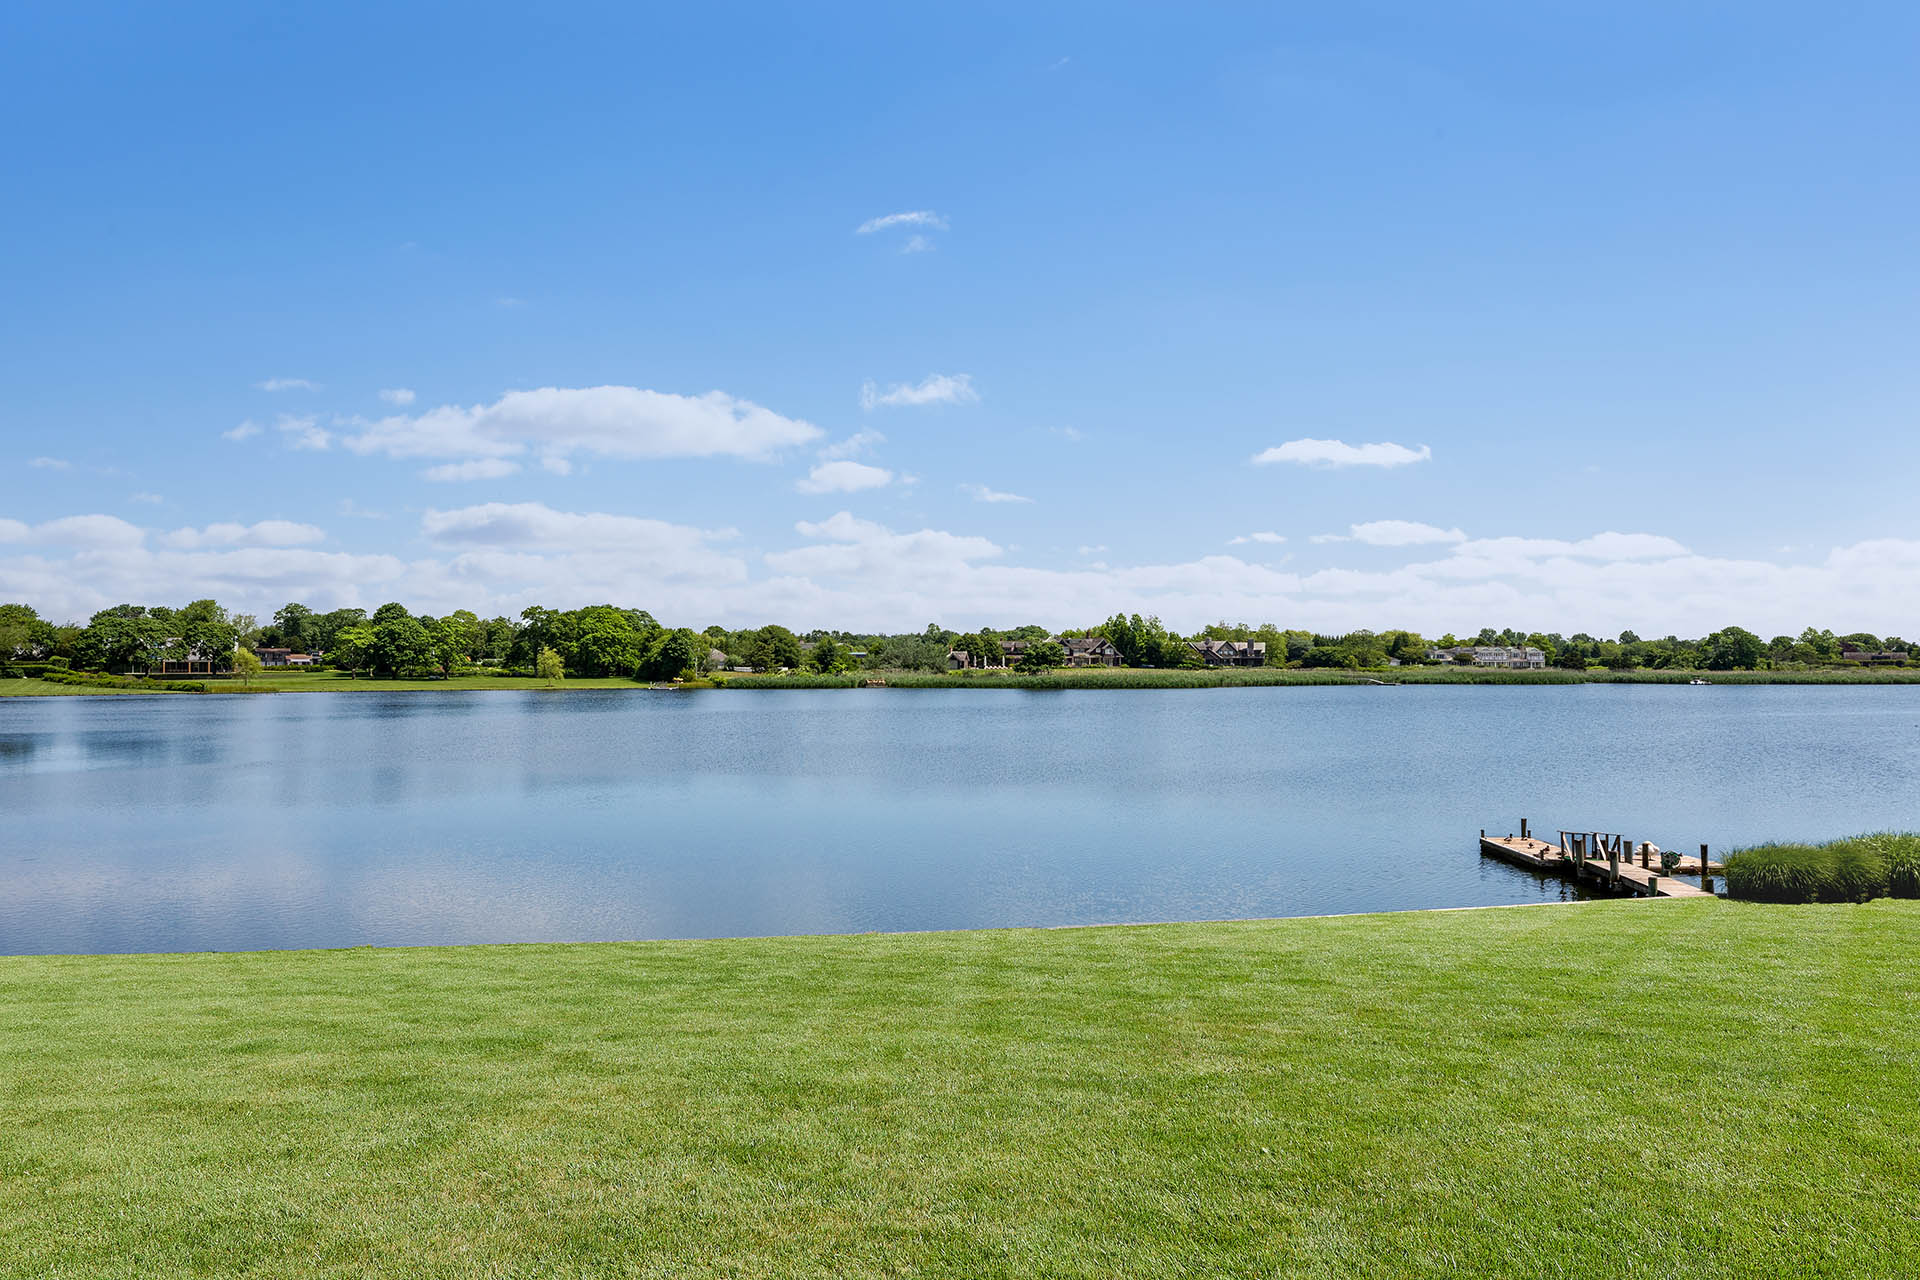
(508, 302)
(854, 445)
(50, 464)
(150, 499)
(935, 388)
(348, 507)
(1071, 434)
(476, 469)
(1403, 533)
(267, 533)
(303, 432)
(916, 218)
(843, 477)
(981, 493)
(1338, 453)
(287, 384)
(1245, 538)
(397, 395)
(612, 422)
(244, 431)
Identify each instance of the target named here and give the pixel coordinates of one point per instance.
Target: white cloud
(348, 507)
(303, 432)
(266, 533)
(854, 445)
(1244, 538)
(1337, 453)
(916, 244)
(610, 421)
(916, 218)
(935, 388)
(397, 395)
(472, 469)
(151, 499)
(1093, 550)
(286, 384)
(245, 430)
(50, 464)
(82, 533)
(843, 477)
(1402, 533)
(981, 493)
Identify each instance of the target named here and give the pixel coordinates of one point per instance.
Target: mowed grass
(1608, 1089)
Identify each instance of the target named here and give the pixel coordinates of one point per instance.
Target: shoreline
(1072, 679)
(982, 930)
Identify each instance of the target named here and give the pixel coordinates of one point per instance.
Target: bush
(1852, 870)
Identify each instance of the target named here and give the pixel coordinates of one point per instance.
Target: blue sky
(1556, 316)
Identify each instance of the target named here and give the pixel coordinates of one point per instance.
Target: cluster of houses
(1517, 657)
(1098, 651)
(284, 658)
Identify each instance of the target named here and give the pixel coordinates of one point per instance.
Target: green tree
(828, 657)
(774, 647)
(400, 643)
(320, 631)
(672, 654)
(246, 666)
(547, 666)
(1041, 655)
(351, 649)
(291, 621)
(23, 634)
(1731, 649)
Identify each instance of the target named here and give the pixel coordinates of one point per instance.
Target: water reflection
(330, 820)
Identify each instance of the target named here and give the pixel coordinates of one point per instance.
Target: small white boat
(1698, 680)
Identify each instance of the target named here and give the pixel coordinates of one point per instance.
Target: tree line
(608, 640)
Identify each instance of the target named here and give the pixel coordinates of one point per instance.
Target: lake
(327, 820)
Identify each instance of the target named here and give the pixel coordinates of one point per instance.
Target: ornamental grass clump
(1852, 870)
(1901, 852)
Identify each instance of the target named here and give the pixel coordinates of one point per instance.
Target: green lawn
(1609, 1089)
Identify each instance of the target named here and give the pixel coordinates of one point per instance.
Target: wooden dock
(1606, 862)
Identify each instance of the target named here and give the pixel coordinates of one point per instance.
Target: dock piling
(1523, 828)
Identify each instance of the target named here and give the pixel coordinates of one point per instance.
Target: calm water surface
(324, 820)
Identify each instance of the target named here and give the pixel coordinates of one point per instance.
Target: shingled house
(1231, 653)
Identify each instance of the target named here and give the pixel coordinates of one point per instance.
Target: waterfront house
(1090, 651)
(1514, 657)
(1850, 652)
(1231, 653)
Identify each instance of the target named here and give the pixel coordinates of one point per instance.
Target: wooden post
(1613, 866)
(1706, 881)
(1653, 886)
(1523, 828)
(1646, 854)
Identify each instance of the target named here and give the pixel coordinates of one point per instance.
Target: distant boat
(1698, 680)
